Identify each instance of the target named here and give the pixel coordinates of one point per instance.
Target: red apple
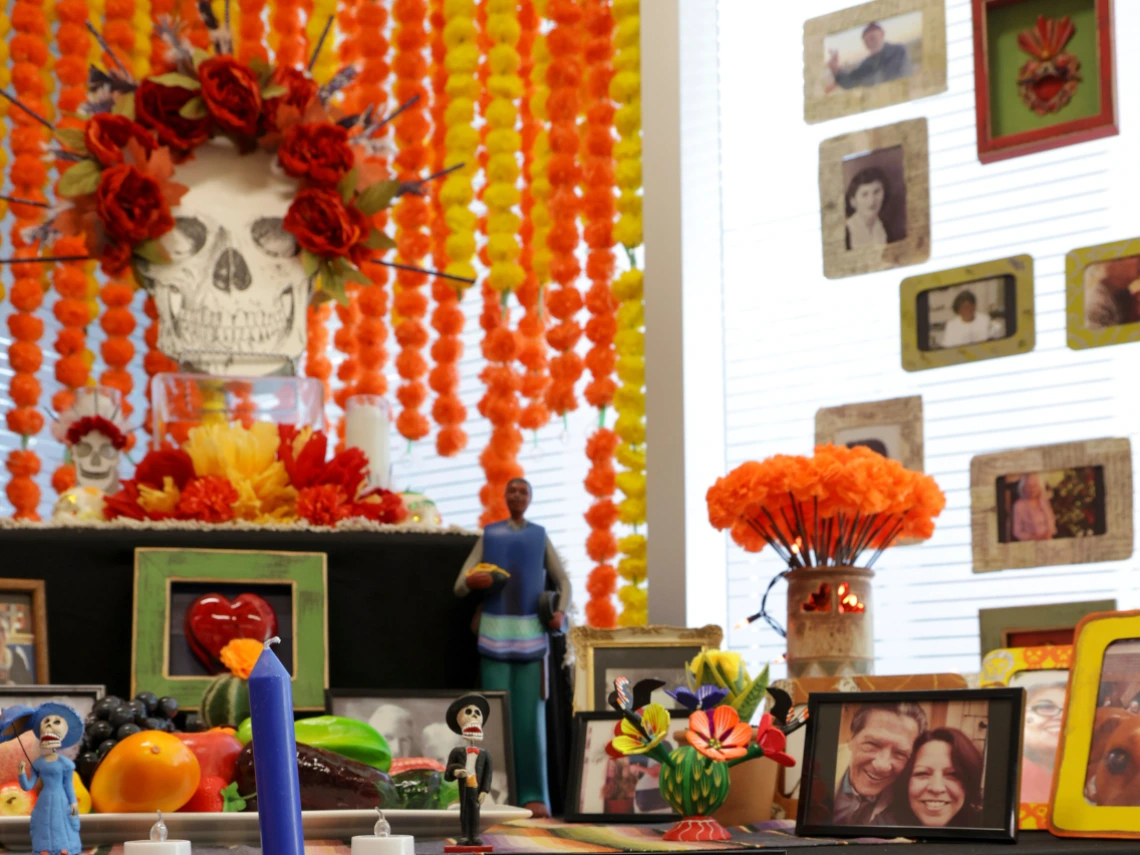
(14, 801)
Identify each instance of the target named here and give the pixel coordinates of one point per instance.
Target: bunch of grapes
(113, 719)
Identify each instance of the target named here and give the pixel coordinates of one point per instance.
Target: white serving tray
(238, 828)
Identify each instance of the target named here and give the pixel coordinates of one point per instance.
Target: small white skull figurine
(94, 431)
(232, 300)
(96, 462)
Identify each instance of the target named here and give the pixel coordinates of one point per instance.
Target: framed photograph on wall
(893, 428)
(23, 632)
(1103, 294)
(873, 55)
(1044, 75)
(637, 652)
(80, 698)
(1048, 625)
(414, 723)
(1053, 504)
(874, 189)
(967, 314)
(951, 774)
(190, 602)
(1095, 791)
(1044, 674)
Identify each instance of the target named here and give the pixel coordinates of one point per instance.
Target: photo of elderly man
(881, 744)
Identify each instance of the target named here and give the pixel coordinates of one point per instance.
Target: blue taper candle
(275, 756)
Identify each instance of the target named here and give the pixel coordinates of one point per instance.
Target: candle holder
(367, 426)
(158, 844)
(382, 841)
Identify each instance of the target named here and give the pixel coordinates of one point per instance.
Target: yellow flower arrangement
(503, 146)
(628, 289)
(461, 60)
(248, 459)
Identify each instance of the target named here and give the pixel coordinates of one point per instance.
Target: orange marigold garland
(251, 30)
(28, 54)
(564, 77)
(287, 29)
(411, 215)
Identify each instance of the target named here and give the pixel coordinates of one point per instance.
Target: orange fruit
(145, 772)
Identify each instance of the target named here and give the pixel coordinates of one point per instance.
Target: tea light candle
(158, 843)
(382, 841)
(367, 427)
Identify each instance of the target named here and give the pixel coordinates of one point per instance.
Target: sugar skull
(94, 431)
(233, 297)
(1048, 81)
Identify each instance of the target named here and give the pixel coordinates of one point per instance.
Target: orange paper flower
(240, 655)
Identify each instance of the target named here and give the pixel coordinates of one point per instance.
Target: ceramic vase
(828, 633)
(695, 787)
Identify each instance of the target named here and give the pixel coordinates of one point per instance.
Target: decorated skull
(94, 430)
(232, 299)
(96, 461)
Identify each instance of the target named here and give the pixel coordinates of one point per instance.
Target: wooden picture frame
(995, 521)
(302, 575)
(37, 664)
(1097, 726)
(1091, 114)
(991, 716)
(1115, 306)
(825, 99)
(664, 649)
(899, 153)
(428, 708)
(1052, 624)
(79, 698)
(800, 689)
(895, 423)
(1009, 280)
(591, 731)
(1018, 666)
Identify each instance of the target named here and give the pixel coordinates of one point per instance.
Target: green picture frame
(996, 625)
(1083, 332)
(157, 569)
(1023, 340)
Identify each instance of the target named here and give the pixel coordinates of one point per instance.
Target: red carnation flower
(207, 499)
(325, 504)
(168, 462)
(106, 137)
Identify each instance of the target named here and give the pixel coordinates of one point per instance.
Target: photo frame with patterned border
(1114, 455)
(999, 667)
(1000, 628)
(1022, 341)
(1080, 334)
(1070, 814)
(585, 641)
(840, 262)
(306, 573)
(904, 412)
(36, 589)
(929, 79)
(786, 801)
(1103, 124)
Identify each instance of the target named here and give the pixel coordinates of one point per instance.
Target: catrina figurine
(55, 818)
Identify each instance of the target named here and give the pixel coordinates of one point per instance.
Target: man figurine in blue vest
(512, 636)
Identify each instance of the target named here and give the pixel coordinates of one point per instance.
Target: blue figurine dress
(54, 829)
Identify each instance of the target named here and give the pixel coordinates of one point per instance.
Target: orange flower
(719, 734)
(240, 655)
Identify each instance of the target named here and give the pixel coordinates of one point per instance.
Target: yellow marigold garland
(629, 399)
(328, 63)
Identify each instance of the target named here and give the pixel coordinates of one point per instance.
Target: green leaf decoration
(311, 262)
(195, 108)
(200, 56)
(81, 179)
(262, 69)
(73, 138)
(231, 801)
(125, 105)
(748, 701)
(274, 90)
(178, 81)
(353, 274)
(346, 187)
(152, 251)
(376, 197)
(332, 284)
(378, 240)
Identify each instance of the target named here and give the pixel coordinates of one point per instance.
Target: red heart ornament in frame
(213, 621)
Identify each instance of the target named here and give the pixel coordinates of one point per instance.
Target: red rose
(302, 90)
(321, 223)
(130, 205)
(232, 94)
(106, 137)
(115, 259)
(157, 106)
(316, 151)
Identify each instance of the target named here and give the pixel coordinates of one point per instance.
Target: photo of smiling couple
(910, 764)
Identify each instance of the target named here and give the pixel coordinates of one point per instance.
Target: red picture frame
(1104, 124)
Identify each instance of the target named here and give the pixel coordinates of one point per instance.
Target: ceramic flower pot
(751, 791)
(830, 629)
(695, 787)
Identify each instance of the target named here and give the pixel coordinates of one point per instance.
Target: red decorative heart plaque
(213, 621)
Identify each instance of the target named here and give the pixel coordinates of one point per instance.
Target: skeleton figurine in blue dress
(55, 818)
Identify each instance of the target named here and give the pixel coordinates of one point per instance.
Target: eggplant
(328, 781)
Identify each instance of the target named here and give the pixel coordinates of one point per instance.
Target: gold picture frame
(35, 590)
(1019, 269)
(824, 99)
(586, 642)
(1079, 286)
(1001, 668)
(1090, 732)
(1111, 458)
(847, 423)
(875, 148)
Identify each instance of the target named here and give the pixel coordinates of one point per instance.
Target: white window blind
(795, 342)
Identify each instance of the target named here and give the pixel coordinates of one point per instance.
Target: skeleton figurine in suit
(471, 766)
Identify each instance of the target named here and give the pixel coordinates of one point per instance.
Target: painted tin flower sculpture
(694, 777)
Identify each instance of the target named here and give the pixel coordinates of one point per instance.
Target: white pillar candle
(367, 427)
(158, 843)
